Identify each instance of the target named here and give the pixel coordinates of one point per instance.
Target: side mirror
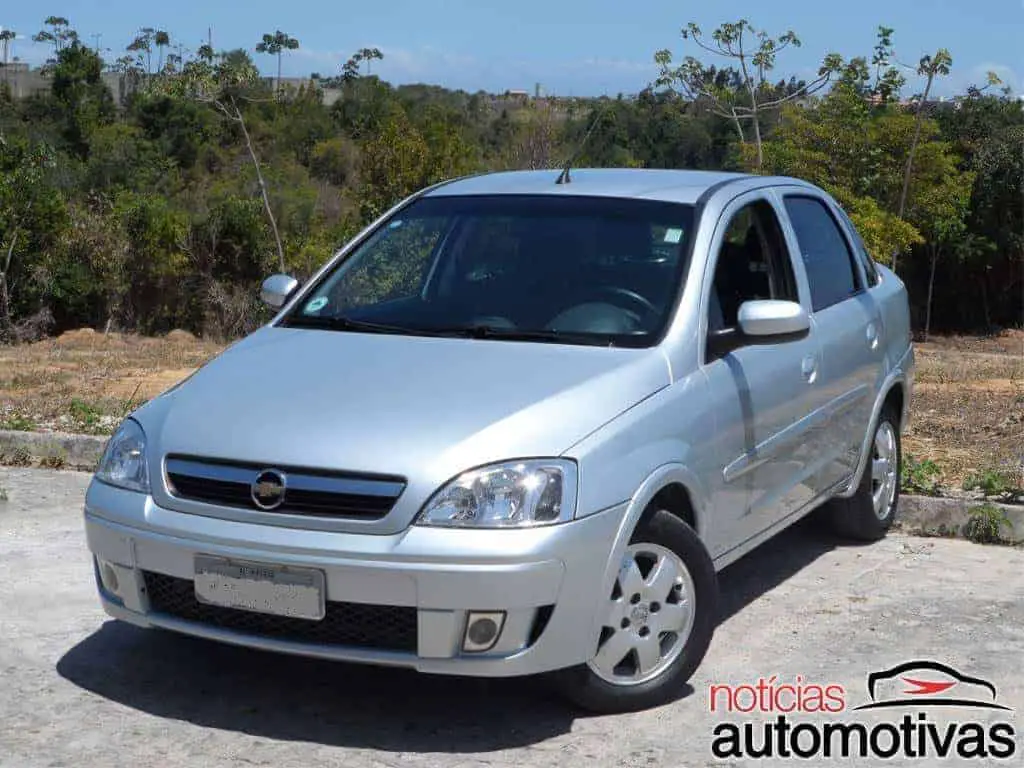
(775, 319)
(761, 322)
(277, 289)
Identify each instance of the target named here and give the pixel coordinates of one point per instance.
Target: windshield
(577, 270)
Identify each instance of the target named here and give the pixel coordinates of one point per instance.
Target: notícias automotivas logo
(937, 713)
(928, 684)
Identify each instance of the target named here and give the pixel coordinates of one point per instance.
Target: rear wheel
(869, 513)
(656, 624)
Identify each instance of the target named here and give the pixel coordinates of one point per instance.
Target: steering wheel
(634, 299)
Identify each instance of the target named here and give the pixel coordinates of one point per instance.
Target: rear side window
(861, 250)
(825, 252)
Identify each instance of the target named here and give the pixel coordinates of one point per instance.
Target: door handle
(809, 368)
(872, 334)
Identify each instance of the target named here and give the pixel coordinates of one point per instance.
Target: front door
(764, 397)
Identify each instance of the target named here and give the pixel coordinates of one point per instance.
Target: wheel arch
(674, 497)
(680, 490)
(895, 393)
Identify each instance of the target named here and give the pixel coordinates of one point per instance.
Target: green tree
(7, 36)
(84, 98)
(142, 46)
(748, 95)
(225, 86)
(845, 147)
(32, 215)
(368, 55)
(57, 32)
(351, 70)
(161, 40)
(155, 266)
(364, 107)
(395, 163)
(929, 67)
(336, 160)
(275, 45)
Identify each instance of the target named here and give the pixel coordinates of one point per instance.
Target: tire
(661, 540)
(869, 514)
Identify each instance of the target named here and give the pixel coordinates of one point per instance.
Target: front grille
(381, 627)
(306, 491)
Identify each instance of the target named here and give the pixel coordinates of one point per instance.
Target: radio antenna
(564, 177)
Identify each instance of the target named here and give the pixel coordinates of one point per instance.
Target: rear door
(848, 320)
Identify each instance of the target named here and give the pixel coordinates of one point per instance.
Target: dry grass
(968, 409)
(85, 381)
(967, 413)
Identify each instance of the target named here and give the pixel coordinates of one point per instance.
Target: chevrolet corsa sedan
(517, 426)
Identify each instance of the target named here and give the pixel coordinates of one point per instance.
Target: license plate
(260, 587)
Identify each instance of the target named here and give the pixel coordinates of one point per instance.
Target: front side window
(826, 254)
(752, 263)
(537, 267)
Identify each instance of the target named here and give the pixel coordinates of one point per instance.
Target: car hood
(422, 408)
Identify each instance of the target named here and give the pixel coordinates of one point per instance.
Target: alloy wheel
(883, 470)
(648, 618)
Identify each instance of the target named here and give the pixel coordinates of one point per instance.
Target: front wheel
(657, 623)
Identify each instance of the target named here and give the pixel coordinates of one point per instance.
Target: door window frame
(872, 277)
(862, 280)
(725, 217)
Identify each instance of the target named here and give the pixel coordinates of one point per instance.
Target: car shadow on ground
(298, 699)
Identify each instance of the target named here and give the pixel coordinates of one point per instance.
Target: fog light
(108, 577)
(482, 630)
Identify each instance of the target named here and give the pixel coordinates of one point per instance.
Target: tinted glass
(861, 250)
(592, 270)
(824, 250)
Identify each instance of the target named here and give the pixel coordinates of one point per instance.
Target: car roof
(680, 186)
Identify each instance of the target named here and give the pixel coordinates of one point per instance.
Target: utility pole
(97, 37)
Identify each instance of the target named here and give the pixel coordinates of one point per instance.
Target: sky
(569, 47)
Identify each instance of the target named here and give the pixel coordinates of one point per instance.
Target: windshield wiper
(342, 323)
(515, 334)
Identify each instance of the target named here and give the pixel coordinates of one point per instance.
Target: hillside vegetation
(165, 209)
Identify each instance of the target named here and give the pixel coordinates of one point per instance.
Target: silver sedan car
(516, 427)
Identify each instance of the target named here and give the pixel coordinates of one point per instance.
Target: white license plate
(260, 588)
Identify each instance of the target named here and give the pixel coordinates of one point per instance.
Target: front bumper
(548, 581)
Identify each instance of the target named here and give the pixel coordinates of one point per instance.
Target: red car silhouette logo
(928, 683)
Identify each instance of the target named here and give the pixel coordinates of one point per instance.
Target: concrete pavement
(79, 689)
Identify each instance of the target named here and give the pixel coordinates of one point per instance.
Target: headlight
(517, 494)
(124, 461)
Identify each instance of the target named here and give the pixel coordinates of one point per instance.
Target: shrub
(921, 476)
(985, 525)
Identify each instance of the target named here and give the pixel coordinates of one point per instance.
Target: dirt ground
(84, 381)
(967, 414)
(968, 407)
